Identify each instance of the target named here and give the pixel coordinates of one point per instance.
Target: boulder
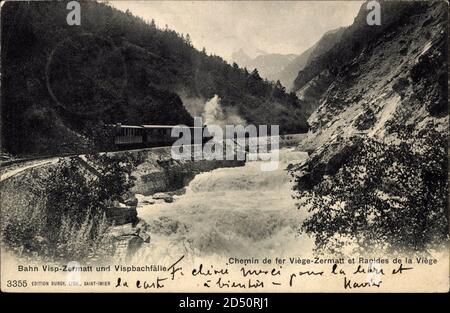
(129, 238)
(122, 215)
(148, 201)
(144, 236)
(144, 200)
(178, 192)
(164, 196)
(142, 225)
(131, 201)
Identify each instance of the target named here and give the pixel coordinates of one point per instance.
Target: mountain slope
(377, 177)
(241, 57)
(268, 65)
(382, 80)
(326, 42)
(61, 83)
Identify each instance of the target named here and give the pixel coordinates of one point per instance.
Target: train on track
(143, 136)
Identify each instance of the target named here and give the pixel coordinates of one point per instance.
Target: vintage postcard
(224, 146)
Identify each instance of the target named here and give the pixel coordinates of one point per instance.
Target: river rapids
(229, 212)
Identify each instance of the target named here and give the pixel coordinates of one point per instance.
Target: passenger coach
(141, 136)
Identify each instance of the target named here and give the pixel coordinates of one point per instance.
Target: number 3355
(16, 283)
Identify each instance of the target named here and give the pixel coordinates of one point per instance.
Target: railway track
(16, 166)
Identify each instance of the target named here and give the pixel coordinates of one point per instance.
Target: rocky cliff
(377, 178)
(382, 80)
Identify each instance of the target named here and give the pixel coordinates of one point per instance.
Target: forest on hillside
(61, 83)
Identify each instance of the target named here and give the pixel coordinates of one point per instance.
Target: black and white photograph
(224, 146)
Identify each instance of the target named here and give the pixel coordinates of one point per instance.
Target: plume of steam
(211, 111)
(194, 105)
(215, 114)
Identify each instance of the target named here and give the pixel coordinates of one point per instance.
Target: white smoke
(215, 114)
(211, 111)
(194, 105)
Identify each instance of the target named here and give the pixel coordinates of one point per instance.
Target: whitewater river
(231, 212)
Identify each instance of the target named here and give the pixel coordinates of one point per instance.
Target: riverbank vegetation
(60, 213)
(375, 195)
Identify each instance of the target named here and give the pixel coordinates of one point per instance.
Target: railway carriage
(142, 136)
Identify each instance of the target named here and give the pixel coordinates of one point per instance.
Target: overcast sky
(223, 27)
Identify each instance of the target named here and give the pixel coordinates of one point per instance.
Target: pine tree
(188, 39)
(255, 75)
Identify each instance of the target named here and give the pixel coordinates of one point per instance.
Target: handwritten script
(351, 274)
